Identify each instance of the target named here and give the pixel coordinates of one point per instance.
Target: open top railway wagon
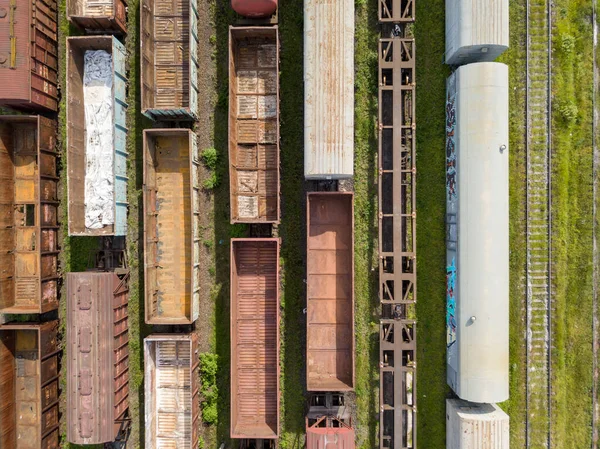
(330, 291)
(98, 15)
(28, 215)
(29, 385)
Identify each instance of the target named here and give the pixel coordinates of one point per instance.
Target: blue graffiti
(450, 304)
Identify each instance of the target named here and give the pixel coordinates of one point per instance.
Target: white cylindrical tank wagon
(477, 270)
(328, 89)
(476, 30)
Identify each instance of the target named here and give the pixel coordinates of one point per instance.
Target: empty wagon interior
(330, 305)
(253, 109)
(169, 394)
(171, 228)
(168, 62)
(28, 194)
(91, 145)
(254, 336)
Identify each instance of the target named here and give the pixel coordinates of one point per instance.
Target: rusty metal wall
(98, 15)
(171, 198)
(169, 66)
(397, 243)
(330, 291)
(29, 385)
(98, 356)
(329, 433)
(254, 124)
(28, 54)
(171, 391)
(28, 215)
(255, 338)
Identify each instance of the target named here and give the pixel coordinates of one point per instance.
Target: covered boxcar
(476, 30)
(28, 54)
(255, 338)
(254, 9)
(171, 391)
(29, 385)
(169, 47)
(96, 133)
(171, 226)
(477, 270)
(98, 362)
(28, 215)
(330, 291)
(328, 89)
(98, 15)
(476, 426)
(254, 124)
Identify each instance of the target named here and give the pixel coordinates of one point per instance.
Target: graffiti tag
(450, 304)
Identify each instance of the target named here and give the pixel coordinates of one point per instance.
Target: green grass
(431, 208)
(572, 223)
(366, 293)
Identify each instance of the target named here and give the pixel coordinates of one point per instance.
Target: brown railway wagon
(171, 391)
(255, 338)
(98, 363)
(329, 432)
(169, 61)
(330, 291)
(254, 124)
(101, 15)
(29, 386)
(28, 215)
(171, 226)
(28, 54)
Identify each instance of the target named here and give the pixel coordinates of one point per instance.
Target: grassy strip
(515, 58)
(292, 228)
(431, 330)
(572, 223)
(366, 295)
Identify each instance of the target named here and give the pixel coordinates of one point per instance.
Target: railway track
(539, 224)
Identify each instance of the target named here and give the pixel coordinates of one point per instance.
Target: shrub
(210, 157)
(209, 365)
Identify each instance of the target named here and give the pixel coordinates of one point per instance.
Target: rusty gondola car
(28, 54)
(28, 215)
(255, 338)
(330, 292)
(98, 363)
(254, 124)
(98, 15)
(171, 391)
(29, 385)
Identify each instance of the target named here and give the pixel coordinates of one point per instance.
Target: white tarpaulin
(99, 151)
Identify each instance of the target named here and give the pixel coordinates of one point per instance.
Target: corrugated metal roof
(476, 426)
(328, 89)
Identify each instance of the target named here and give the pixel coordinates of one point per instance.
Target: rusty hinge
(13, 39)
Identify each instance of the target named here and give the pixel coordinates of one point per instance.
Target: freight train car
(476, 30)
(254, 124)
(171, 391)
(96, 133)
(330, 291)
(169, 65)
(254, 9)
(476, 426)
(28, 54)
(28, 215)
(255, 338)
(29, 385)
(330, 433)
(477, 253)
(98, 15)
(98, 356)
(171, 226)
(328, 89)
